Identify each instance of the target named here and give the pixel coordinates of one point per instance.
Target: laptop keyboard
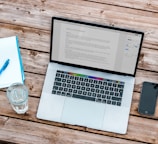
(88, 88)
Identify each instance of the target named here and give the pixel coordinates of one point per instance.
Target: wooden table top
(31, 22)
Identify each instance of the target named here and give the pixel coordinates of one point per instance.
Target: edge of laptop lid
(99, 26)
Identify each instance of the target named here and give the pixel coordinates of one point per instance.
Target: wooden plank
(148, 60)
(2, 121)
(35, 83)
(36, 39)
(36, 62)
(31, 21)
(34, 14)
(135, 129)
(146, 5)
(26, 132)
(33, 103)
(39, 40)
(30, 38)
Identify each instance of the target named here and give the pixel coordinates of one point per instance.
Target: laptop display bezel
(96, 25)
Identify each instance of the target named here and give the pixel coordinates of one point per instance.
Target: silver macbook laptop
(90, 76)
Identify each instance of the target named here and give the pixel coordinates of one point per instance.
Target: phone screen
(148, 98)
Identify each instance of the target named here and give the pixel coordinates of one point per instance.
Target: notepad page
(9, 50)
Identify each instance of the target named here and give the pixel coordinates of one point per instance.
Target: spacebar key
(83, 97)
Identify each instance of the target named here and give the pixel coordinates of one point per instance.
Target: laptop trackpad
(83, 112)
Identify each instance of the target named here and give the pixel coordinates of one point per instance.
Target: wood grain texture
(36, 61)
(31, 22)
(148, 60)
(135, 127)
(35, 81)
(29, 38)
(31, 132)
(37, 39)
(146, 5)
(38, 14)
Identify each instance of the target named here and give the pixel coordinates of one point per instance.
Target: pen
(4, 66)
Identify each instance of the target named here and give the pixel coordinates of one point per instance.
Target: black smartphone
(148, 98)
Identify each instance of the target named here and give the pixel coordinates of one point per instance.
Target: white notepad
(9, 49)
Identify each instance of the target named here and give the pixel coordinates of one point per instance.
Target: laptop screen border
(96, 25)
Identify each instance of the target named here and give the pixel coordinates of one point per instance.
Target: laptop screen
(95, 46)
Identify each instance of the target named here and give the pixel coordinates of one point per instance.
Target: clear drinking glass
(17, 95)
